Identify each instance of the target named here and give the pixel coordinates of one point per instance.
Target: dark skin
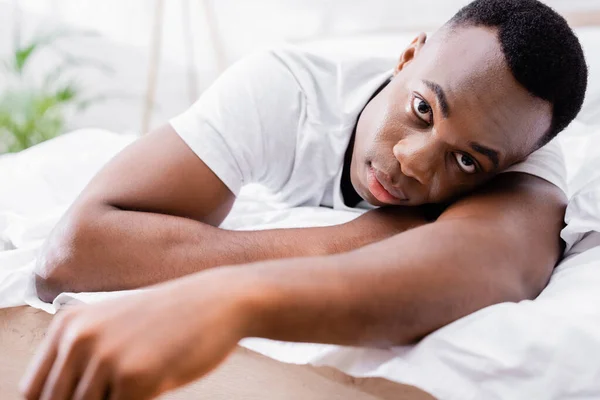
(435, 143)
(499, 243)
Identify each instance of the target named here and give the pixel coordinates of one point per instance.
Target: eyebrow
(486, 151)
(440, 95)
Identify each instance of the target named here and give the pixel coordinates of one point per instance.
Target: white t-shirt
(284, 118)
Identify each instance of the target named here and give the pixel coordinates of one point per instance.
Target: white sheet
(547, 348)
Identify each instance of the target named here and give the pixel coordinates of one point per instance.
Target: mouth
(382, 189)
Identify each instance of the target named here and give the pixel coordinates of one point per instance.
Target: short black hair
(541, 50)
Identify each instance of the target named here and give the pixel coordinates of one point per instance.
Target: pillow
(583, 211)
(589, 38)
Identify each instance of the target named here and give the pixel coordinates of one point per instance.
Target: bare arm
(151, 214)
(498, 245)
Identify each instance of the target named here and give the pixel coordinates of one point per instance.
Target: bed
(547, 348)
(245, 375)
(44, 178)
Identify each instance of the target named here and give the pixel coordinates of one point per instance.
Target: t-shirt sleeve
(547, 163)
(245, 126)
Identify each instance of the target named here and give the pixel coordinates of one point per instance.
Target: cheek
(381, 138)
(381, 118)
(454, 187)
(447, 186)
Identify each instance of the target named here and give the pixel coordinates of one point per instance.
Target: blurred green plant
(32, 111)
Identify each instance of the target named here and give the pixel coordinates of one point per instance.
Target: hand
(140, 345)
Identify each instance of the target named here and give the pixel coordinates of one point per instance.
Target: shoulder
(547, 163)
(318, 70)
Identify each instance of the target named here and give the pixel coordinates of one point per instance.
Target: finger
(119, 394)
(93, 383)
(63, 375)
(125, 386)
(120, 391)
(32, 383)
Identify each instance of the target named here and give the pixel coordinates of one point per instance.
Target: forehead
(485, 100)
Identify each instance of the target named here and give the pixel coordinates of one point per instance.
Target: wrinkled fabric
(547, 348)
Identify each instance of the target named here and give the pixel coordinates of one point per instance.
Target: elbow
(47, 287)
(58, 267)
(53, 274)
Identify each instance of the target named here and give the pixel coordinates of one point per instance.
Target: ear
(410, 52)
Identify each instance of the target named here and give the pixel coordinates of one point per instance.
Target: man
(494, 84)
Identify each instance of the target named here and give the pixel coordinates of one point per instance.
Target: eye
(466, 163)
(422, 110)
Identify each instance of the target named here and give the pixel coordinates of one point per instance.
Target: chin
(374, 202)
(369, 198)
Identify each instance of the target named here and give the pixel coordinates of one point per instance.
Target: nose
(417, 156)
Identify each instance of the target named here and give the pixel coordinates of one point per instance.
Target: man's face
(452, 117)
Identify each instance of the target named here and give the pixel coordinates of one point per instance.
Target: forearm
(118, 249)
(375, 296)
(500, 245)
(400, 289)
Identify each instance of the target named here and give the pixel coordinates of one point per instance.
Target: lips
(382, 189)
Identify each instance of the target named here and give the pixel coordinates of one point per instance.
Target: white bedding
(547, 348)
(543, 349)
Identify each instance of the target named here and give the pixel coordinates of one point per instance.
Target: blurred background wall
(198, 39)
